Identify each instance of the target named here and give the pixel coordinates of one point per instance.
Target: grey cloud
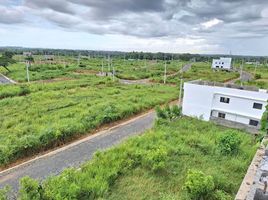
(151, 18)
(11, 15)
(56, 5)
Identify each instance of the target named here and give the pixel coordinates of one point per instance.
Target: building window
(253, 122)
(225, 100)
(223, 63)
(221, 115)
(257, 106)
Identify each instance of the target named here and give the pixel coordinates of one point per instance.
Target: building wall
(241, 106)
(197, 101)
(203, 100)
(222, 63)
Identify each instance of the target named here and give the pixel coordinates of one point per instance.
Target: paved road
(186, 67)
(5, 80)
(75, 154)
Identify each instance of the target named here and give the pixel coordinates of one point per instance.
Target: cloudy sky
(195, 26)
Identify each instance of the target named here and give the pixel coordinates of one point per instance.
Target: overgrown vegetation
(169, 113)
(35, 117)
(155, 166)
(199, 70)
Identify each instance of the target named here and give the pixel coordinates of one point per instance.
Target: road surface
(76, 153)
(5, 80)
(186, 67)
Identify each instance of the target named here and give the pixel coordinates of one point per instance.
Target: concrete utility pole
(180, 96)
(109, 64)
(78, 60)
(113, 69)
(165, 74)
(241, 73)
(27, 70)
(255, 68)
(102, 67)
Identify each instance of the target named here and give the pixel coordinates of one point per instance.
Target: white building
(222, 63)
(26, 54)
(231, 103)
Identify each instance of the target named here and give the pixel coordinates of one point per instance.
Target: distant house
(222, 63)
(49, 57)
(224, 103)
(27, 54)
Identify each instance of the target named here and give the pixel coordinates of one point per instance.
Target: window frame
(222, 100)
(258, 104)
(253, 122)
(221, 115)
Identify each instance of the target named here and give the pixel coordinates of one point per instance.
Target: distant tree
(30, 59)
(6, 59)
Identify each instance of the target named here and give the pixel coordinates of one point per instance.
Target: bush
(257, 76)
(198, 185)
(229, 143)
(30, 189)
(155, 159)
(264, 120)
(4, 193)
(168, 112)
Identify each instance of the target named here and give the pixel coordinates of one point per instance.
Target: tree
(6, 59)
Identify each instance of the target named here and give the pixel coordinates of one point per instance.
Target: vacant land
(260, 75)
(200, 70)
(39, 116)
(66, 66)
(155, 166)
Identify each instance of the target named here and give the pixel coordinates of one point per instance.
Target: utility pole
(102, 67)
(78, 60)
(241, 72)
(255, 68)
(27, 70)
(109, 64)
(180, 96)
(165, 75)
(113, 70)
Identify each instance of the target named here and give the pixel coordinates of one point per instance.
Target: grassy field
(200, 70)
(155, 166)
(67, 66)
(41, 115)
(260, 76)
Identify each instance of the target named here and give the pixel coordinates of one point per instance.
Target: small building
(27, 54)
(239, 107)
(222, 63)
(49, 57)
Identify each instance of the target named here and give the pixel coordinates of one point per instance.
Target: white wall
(197, 101)
(222, 63)
(200, 100)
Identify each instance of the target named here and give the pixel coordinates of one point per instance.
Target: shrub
(221, 195)
(168, 112)
(264, 120)
(229, 143)
(155, 159)
(161, 114)
(198, 185)
(257, 76)
(30, 189)
(4, 193)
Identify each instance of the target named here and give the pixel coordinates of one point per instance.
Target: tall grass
(47, 115)
(152, 165)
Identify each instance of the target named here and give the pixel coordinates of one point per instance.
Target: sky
(177, 26)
